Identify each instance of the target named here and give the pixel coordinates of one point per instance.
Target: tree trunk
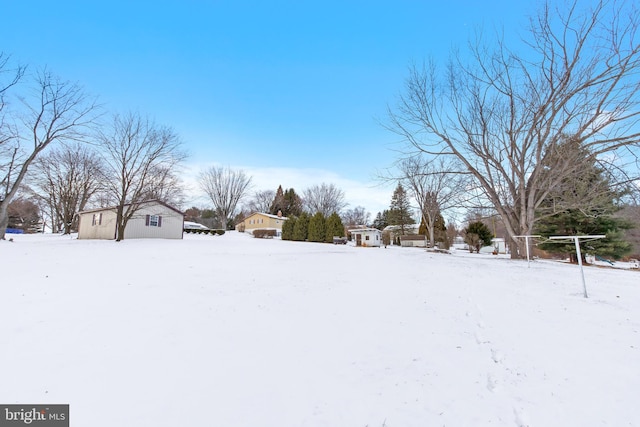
(4, 218)
(120, 223)
(432, 234)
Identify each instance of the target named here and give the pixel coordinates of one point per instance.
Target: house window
(97, 219)
(153, 221)
(366, 238)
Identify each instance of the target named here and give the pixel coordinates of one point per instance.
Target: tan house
(262, 221)
(154, 219)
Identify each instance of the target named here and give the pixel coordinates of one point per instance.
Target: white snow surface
(236, 331)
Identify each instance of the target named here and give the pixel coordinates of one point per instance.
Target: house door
(358, 239)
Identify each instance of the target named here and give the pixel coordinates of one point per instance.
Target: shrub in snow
(262, 233)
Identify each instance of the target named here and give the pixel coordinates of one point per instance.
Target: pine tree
(381, 220)
(292, 203)
(574, 223)
(477, 235)
(595, 219)
(440, 232)
(400, 212)
(422, 230)
(334, 228)
(301, 229)
(278, 204)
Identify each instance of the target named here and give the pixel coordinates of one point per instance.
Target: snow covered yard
(235, 331)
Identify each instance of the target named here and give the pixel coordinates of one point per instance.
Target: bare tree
(261, 201)
(7, 131)
(57, 111)
(226, 188)
(500, 114)
(356, 216)
(165, 185)
(435, 184)
(324, 198)
(65, 179)
(137, 154)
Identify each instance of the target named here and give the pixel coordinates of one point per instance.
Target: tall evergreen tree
(334, 227)
(440, 233)
(301, 228)
(292, 203)
(590, 182)
(400, 212)
(574, 223)
(288, 228)
(317, 228)
(381, 220)
(278, 204)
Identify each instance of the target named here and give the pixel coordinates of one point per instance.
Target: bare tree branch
(324, 198)
(504, 113)
(58, 111)
(139, 157)
(226, 188)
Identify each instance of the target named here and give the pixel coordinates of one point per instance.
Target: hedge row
(262, 233)
(198, 231)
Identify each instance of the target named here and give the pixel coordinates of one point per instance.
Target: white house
(154, 219)
(498, 246)
(413, 241)
(368, 237)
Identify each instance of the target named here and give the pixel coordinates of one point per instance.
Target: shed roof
(364, 230)
(154, 201)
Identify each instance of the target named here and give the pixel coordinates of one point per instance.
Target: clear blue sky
(291, 91)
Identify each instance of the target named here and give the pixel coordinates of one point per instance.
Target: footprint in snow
(497, 356)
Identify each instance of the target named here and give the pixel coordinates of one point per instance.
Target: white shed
(153, 219)
(367, 237)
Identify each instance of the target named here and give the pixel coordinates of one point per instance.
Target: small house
(153, 219)
(395, 231)
(367, 237)
(262, 221)
(413, 241)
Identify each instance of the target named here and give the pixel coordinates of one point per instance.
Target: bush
(262, 233)
(301, 228)
(317, 228)
(334, 228)
(219, 232)
(288, 227)
(477, 235)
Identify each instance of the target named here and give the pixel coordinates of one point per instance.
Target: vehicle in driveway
(190, 225)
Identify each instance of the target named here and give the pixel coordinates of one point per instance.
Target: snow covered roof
(364, 230)
(267, 215)
(147, 202)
